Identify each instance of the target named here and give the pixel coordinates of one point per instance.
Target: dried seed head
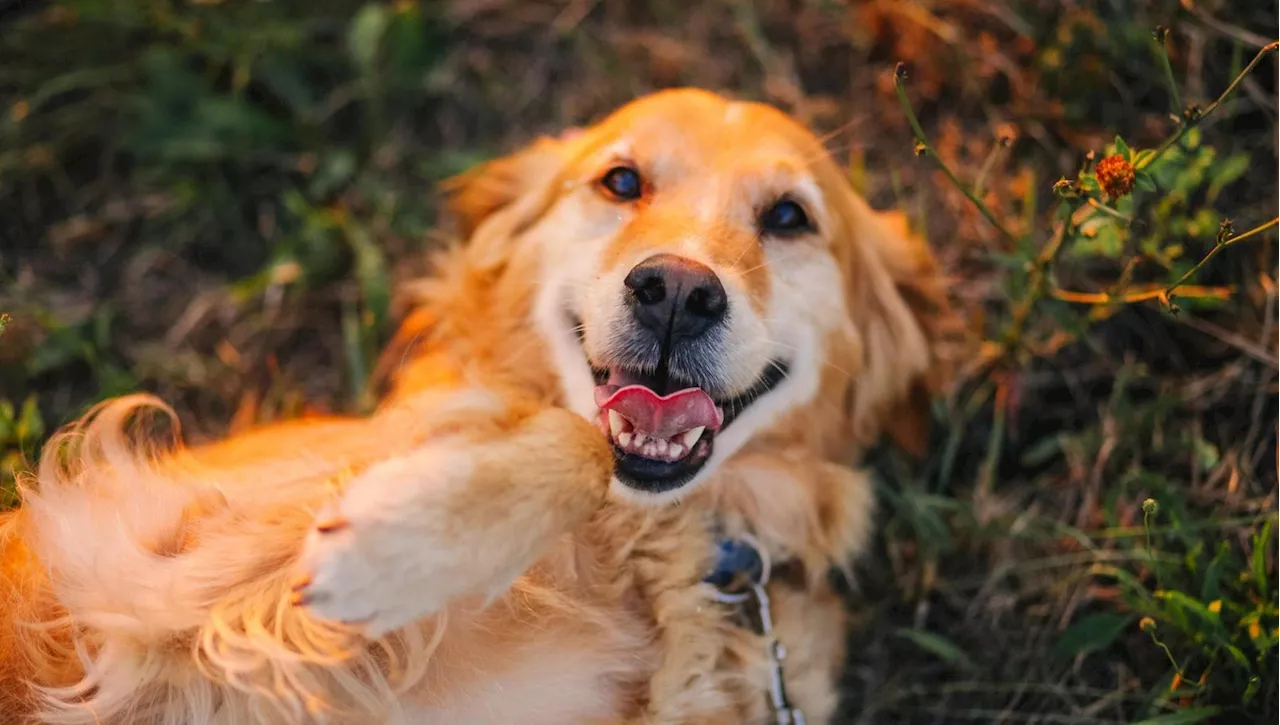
(1225, 231)
(1115, 176)
(1006, 134)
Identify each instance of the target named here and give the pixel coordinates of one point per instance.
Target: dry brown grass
(213, 201)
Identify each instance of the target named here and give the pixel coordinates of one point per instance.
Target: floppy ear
(903, 321)
(478, 193)
(489, 206)
(492, 204)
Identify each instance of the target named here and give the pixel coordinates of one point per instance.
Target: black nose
(675, 298)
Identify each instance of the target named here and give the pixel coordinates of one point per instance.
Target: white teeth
(692, 435)
(629, 439)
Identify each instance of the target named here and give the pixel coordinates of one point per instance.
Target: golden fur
(462, 555)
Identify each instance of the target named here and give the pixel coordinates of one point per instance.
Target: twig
(1194, 117)
(1002, 142)
(900, 75)
(1239, 342)
(1228, 30)
(1218, 248)
(1157, 293)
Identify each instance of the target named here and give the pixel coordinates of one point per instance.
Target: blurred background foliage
(219, 200)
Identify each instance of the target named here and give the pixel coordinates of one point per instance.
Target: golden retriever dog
(612, 475)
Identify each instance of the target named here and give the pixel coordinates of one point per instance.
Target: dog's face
(704, 266)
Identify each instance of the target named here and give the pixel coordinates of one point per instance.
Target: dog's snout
(676, 298)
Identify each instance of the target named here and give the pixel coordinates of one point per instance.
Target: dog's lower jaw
(653, 499)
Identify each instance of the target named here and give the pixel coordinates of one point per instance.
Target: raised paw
(453, 519)
(376, 557)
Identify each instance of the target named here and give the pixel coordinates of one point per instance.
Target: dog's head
(705, 269)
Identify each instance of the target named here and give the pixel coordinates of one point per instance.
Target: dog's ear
(903, 323)
(477, 194)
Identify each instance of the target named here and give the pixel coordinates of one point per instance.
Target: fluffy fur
(463, 554)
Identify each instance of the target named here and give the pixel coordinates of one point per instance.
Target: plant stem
(1158, 293)
(1037, 286)
(1161, 39)
(1188, 123)
(1218, 248)
(1110, 211)
(987, 165)
(899, 74)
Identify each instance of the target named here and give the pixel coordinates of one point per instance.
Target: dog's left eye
(785, 217)
(623, 183)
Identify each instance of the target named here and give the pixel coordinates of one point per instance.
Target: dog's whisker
(847, 125)
(755, 241)
(767, 262)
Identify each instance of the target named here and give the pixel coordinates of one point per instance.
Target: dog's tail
(141, 593)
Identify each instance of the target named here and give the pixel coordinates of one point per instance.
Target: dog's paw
(377, 557)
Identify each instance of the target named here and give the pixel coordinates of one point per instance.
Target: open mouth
(663, 429)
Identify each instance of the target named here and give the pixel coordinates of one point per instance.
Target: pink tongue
(662, 416)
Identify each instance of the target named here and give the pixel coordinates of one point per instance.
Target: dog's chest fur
(619, 611)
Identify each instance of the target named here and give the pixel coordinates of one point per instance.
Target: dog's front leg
(465, 513)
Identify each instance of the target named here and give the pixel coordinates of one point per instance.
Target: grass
(217, 200)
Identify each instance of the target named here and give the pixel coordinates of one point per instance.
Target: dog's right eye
(622, 183)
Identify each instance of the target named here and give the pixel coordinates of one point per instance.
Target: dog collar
(740, 574)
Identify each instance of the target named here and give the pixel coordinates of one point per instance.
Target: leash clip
(745, 556)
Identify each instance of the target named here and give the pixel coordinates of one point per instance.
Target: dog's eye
(785, 217)
(622, 183)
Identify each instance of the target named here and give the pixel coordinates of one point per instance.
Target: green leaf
(1043, 450)
(1251, 691)
(1144, 181)
(1122, 148)
(6, 421)
(1227, 171)
(1143, 157)
(1191, 139)
(289, 83)
(1261, 542)
(1090, 634)
(1238, 656)
(1213, 573)
(939, 646)
(30, 426)
(1182, 717)
(334, 171)
(1206, 454)
(365, 35)
(371, 273)
(1100, 236)
(1183, 605)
